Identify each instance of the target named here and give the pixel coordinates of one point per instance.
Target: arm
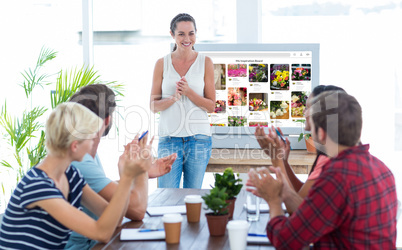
(134, 162)
(268, 188)
(156, 102)
(327, 198)
(206, 102)
(76, 220)
(274, 148)
(138, 201)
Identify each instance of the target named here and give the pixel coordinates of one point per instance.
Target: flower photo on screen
(237, 96)
(255, 124)
(237, 121)
(220, 76)
(301, 72)
(258, 72)
(220, 106)
(279, 75)
(258, 102)
(237, 70)
(298, 103)
(279, 110)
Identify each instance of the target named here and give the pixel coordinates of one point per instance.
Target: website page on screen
(260, 87)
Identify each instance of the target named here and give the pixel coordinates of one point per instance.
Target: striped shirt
(34, 228)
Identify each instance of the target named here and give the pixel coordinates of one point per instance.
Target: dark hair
(99, 98)
(322, 88)
(316, 91)
(339, 115)
(182, 17)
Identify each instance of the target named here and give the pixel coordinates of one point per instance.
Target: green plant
(303, 134)
(25, 134)
(228, 180)
(216, 201)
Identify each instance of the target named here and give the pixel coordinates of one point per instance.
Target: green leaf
(69, 82)
(300, 137)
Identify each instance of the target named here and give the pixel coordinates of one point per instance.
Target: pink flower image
(237, 70)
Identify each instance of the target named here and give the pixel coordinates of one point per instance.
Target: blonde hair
(70, 122)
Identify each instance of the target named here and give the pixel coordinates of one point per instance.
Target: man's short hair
(339, 115)
(99, 98)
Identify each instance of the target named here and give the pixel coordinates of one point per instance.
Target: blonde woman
(44, 207)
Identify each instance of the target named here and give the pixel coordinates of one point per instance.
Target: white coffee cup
(238, 231)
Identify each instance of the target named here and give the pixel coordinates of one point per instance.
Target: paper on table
(160, 211)
(264, 208)
(133, 234)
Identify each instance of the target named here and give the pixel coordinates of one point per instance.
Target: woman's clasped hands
(182, 86)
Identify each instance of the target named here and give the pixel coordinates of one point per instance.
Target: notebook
(135, 234)
(160, 211)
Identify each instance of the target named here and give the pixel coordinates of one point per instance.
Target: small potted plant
(218, 218)
(307, 137)
(233, 186)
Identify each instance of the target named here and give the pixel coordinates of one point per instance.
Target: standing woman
(183, 91)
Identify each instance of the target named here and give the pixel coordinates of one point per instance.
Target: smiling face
(184, 35)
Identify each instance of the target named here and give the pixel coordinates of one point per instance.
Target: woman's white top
(183, 118)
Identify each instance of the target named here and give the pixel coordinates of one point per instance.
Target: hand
(136, 158)
(182, 86)
(287, 146)
(176, 96)
(162, 166)
(272, 145)
(266, 186)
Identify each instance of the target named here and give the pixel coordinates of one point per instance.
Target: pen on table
(150, 230)
(258, 235)
(142, 136)
(280, 136)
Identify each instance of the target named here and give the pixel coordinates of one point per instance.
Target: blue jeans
(193, 153)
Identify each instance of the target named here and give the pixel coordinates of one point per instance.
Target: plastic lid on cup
(193, 199)
(237, 225)
(172, 218)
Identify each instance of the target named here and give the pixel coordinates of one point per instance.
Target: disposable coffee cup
(238, 231)
(172, 225)
(193, 207)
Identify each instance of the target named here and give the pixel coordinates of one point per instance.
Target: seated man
(353, 203)
(100, 99)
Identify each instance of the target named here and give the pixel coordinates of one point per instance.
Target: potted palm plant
(218, 218)
(233, 186)
(24, 133)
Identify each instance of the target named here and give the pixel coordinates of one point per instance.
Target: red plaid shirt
(352, 205)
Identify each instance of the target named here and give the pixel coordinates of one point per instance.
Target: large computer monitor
(260, 84)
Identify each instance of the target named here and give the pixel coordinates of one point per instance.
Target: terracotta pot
(217, 224)
(310, 146)
(231, 207)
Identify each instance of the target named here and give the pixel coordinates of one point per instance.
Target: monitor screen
(260, 84)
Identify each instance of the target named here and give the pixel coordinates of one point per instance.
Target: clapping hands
(136, 158)
(162, 166)
(272, 145)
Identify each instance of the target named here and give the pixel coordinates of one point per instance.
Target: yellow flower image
(250, 68)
